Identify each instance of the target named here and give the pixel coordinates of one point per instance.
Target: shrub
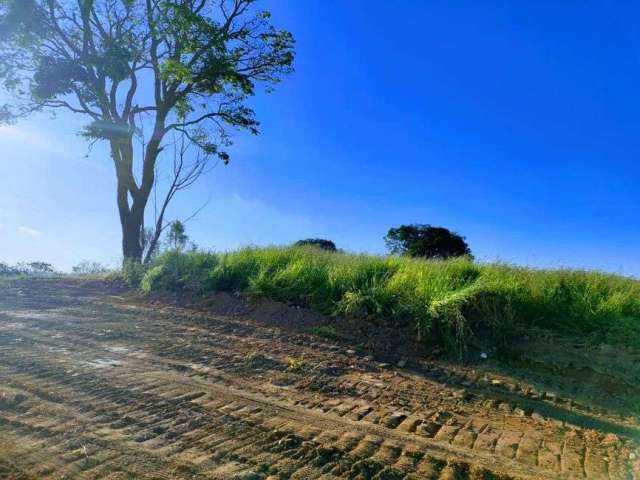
(318, 243)
(132, 273)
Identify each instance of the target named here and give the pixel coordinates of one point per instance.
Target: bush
(132, 273)
(454, 303)
(318, 243)
(426, 241)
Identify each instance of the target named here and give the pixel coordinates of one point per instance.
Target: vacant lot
(97, 385)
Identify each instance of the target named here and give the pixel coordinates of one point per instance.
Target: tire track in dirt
(183, 407)
(105, 391)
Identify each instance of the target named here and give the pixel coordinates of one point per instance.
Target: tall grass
(454, 303)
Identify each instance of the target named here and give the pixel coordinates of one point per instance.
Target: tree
(426, 241)
(317, 242)
(177, 237)
(37, 268)
(86, 267)
(145, 74)
(185, 172)
(9, 270)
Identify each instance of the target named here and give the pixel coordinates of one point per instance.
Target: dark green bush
(132, 273)
(318, 243)
(426, 241)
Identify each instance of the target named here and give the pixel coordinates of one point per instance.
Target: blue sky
(516, 124)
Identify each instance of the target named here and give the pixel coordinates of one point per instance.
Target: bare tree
(186, 169)
(143, 69)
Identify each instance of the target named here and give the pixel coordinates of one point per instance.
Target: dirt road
(99, 386)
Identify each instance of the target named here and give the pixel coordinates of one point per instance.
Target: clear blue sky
(516, 124)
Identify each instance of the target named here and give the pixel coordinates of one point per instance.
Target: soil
(97, 383)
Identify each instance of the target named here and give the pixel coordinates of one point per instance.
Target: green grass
(326, 331)
(453, 303)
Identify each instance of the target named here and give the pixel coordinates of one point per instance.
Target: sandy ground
(98, 385)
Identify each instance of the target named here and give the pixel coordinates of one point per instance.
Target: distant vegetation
(26, 268)
(317, 242)
(177, 237)
(87, 267)
(426, 241)
(454, 303)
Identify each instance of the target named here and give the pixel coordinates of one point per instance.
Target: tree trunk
(131, 241)
(132, 213)
(131, 225)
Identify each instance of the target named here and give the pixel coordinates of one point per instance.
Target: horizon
(505, 124)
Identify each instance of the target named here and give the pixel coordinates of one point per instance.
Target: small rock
(351, 352)
(368, 358)
(383, 365)
(402, 362)
(483, 355)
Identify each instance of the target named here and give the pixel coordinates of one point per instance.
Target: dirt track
(97, 386)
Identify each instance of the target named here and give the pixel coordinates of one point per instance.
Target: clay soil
(96, 383)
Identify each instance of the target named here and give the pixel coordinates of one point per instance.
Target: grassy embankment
(454, 303)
